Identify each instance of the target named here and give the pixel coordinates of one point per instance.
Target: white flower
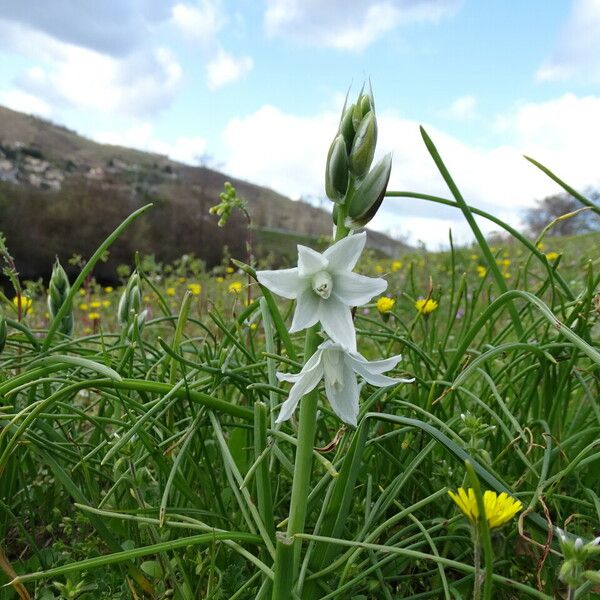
(338, 366)
(325, 288)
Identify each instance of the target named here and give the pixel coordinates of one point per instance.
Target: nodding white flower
(337, 366)
(325, 288)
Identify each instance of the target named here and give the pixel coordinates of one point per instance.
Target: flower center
(333, 367)
(322, 284)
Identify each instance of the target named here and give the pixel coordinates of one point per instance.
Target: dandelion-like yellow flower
(385, 304)
(82, 292)
(195, 288)
(220, 280)
(95, 304)
(108, 289)
(498, 508)
(481, 271)
(230, 270)
(379, 268)
(83, 306)
(396, 265)
(552, 256)
(106, 303)
(26, 303)
(94, 316)
(235, 287)
(182, 280)
(170, 291)
(426, 305)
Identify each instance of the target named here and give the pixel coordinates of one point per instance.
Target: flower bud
(3, 332)
(363, 146)
(131, 299)
(370, 193)
(336, 170)
(58, 290)
(347, 128)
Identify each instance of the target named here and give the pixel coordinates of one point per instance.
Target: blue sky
(255, 88)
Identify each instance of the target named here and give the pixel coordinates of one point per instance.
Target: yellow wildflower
(253, 326)
(182, 280)
(426, 305)
(83, 306)
(507, 275)
(87, 330)
(481, 271)
(379, 268)
(106, 303)
(94, 316)
(396, 265)
(195, 288)
(506, 262)
(540, 245)
(498, 508)
(26, 303)
(474, 257)
(230, 270)
(220, 280)
(385, 304)
(552, 256)
(235, 287)
(108, 289)
(170, 291)
(81, 292)
(95, 304)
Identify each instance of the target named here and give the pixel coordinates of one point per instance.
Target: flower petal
(312, 363)
(372, 377)
(336, 320)
(344, 255)
(310, 261)
(354, 289)
(378, 366)
(308, 381)
(344, 399)
(284, 282)
(307, 311)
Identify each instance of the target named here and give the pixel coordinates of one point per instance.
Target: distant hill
(61, 193)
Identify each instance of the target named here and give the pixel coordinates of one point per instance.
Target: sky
(255, 89)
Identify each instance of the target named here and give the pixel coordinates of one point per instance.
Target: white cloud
(349, 24)
(23, 102)
(287, 152)
(577, 52)
(462, 108)
(200, 22)
(188, 150)
(72, 76)
(224, 69)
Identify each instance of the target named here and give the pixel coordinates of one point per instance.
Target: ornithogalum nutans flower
(498, 508)
(338, 368)
(325, 288)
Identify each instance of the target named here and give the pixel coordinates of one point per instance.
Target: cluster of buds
(577, 553)
(348, 180)
(58, 290)
(229, 201)
(128, 311)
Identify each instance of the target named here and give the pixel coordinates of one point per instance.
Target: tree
(552, 207)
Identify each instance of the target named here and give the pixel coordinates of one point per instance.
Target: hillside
(70, 179)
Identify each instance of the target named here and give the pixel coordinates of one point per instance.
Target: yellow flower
(87, 330)
(83, 306)
(182, 280)
(108, 289)
(81, 292)
(230, 270)
(170, 291)
(26, 303)
(385, 304)
(506, 262)
(552, 256)
(95, 304)
(220, 280)
(507, 275)
(396, 265)
(195, 288)
(474, 257)
(498, 509)
(481, 271)
(379, 269)
(426, 306)
(540, 245)
(253, 326)
(235, 287)
(93, 316)
(106, 303)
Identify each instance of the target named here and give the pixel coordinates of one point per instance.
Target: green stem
(300, 485)
(477, 581)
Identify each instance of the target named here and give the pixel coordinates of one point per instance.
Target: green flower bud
(363, 147)
(138, 324)
(131, 299)
(360, 110)
(370, 193)
(3, 332)
(347, 128)
(58, 290)
(336, 170)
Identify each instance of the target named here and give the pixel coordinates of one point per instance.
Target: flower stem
(301, 481)
(477, 564)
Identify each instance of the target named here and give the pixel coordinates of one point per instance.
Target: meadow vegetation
(140, 454)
